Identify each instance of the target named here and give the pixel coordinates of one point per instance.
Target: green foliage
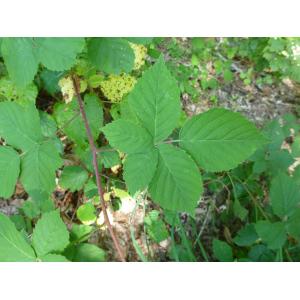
(222, 251)
(23, 55)
(155, 227)
(50, 234)
(10, 169)
(13, 246)
(219, 139)
(86, 213)
(273, 234)
(145, 138)
(73, 178)
(111, 55)
(155, 100)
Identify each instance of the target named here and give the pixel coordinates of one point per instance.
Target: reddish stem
(96, 168)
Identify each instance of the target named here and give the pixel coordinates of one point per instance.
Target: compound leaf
(13, 247)
(9, 170)
(155, 100)
(220, 139)
(50, 234)
(177, 184)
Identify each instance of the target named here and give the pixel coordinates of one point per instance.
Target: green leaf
(80, 232)
(69, 119)
(109, 157)
(111, 55)
(50, 234)
(127, 136)
(293, 224)
(177, 184)
(13, 247)
(219, 139)
(139, 169)
(58, 54)
(22, 95)
(53, 258)
(73, 178)
(284, 195)
(155, 100)
(9, 170)
(19, 59)
(222, 251)
(50, 80)
(246, 236)
(22, 55)
(86, 213)
(156, 228)
(89, 253)
(38, 167)
(20, 126)
(273, 234)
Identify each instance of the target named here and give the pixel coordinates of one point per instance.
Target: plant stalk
(96, 168)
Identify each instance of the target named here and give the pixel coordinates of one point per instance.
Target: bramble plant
(141, 129)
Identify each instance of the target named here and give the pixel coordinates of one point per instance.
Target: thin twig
(96, 168)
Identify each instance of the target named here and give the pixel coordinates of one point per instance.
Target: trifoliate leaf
(155, 100)
(9, 170)
(73, 178)
(284, 195)
(111, 55)
(13, 247)
(220, 139)
(127, 137)
(50, 234)
(38, 167)
(139, 169)
(177, 184)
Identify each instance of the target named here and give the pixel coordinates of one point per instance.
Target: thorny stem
(96, 168)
